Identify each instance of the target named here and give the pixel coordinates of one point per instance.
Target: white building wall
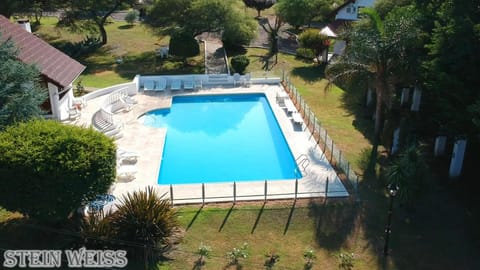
(348, 12)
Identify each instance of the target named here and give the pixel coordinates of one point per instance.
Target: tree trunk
(258, 13)
(103, 33)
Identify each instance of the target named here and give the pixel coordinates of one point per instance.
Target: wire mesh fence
(324, 141)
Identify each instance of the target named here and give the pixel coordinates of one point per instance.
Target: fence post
(340, 159)
(265, 199)
(296, 188)
(326, 189)
(348, 171)
(203, 193)
(325, 142)
(331, 153)
(234, 192)
(171, 194)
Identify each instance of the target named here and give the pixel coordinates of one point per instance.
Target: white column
(396, 141)
(440, 144)
(417, 96)
(405, 95)
(457, 158)
(54, 100)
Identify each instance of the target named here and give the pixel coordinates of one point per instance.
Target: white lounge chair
(176, 84)
(236, 79)
(160, 84)
(297, 118)
(198, 84)
(148, 85)
(290, 107)
(188, 84)
(126, 172)
(126, 156)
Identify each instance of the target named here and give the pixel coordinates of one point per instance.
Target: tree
(183, 44)
(300, 12)
(312, 39)
(49, 169)
(239, 30)
(20, 91)
(239, 63)
(91, 15)
(273, 32)
(131, 17)
(200, 16)
(379, 53)
(451, 67)
(259, 5)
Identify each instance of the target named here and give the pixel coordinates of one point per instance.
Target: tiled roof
(53, 64)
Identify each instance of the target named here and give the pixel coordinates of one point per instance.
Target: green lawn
(136, 46)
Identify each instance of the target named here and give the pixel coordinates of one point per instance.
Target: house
(57, 69)
(345, 13)
(349, 10)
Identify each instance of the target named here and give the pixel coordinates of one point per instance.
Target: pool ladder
(303, 162)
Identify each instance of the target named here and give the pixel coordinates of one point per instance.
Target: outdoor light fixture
(392, 192)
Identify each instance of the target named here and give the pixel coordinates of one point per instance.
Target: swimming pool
(221, 138)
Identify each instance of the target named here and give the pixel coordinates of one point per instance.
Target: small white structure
(405, 95)
(396, 141)
(349, 9)
(440, 144)
(417, 96)
(458, 154)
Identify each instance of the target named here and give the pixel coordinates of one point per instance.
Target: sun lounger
(236, 79)
(126, 172)
(198, 84)
(188, 84)
(297, 118)
(290, 107)
(176, 84)
(148, 85)
(160, 84)
(126, 156)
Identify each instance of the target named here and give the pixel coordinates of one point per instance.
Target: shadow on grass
(309, 74)
(194, 217)
(353, 101)
(258, 218)
(226, 218)
(125, 26)
(334, 222)
(289, 220)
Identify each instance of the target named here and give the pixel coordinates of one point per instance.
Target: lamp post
(392, 192)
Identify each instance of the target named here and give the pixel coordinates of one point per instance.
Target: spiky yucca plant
(147, 219)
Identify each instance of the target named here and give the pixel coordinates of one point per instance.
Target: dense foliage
(183, 44)
(239, 63)
(259, 5)
(302, 12)
(201, 16)
(312, 39)
(48, 169)
(20, 91)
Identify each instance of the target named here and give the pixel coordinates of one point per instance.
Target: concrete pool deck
(148, 143)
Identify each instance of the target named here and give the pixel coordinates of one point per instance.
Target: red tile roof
(54, 64)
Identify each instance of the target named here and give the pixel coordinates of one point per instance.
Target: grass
(136, 46)
(282, 228)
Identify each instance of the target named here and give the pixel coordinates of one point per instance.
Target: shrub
(147, 218)
(346, 260)
(81, 48)
(306, 53)
(309, 257)
(203, 252)
(239, 63)
(238, 253)
(48, 169)
(183, 44)
(131, 17)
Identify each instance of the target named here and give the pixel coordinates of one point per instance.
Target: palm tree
(379, 54)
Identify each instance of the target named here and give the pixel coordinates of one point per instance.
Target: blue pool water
(221, 138)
